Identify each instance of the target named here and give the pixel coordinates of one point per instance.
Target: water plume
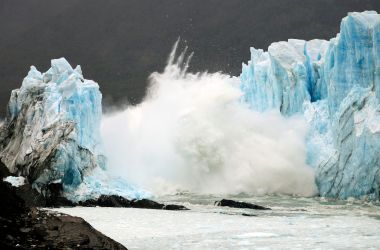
(192, 133)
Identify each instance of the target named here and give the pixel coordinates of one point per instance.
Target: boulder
(239, 204)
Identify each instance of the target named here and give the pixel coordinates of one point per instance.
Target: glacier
(336, 86)
(52, 130)
(52, 134)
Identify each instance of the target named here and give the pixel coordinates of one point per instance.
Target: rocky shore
(24, 226)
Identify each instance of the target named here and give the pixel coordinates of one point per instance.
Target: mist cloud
(192, 133)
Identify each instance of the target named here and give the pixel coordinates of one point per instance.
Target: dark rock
(4, 172)
(11, 204)
(106, 201)
(54, 196)
(174, 207)
(30, 196)
(113, 201)
(118, 201)
(249, 215)
(23, 227)
(66, 231)
(145, 203)
(48, 230)
(239, 204)
(88, 203)
(149, 204)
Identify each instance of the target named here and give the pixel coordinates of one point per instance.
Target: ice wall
(336, 85)
(52, 133)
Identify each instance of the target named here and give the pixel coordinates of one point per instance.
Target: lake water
(293, 223)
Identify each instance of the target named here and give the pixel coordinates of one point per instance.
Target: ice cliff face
(336, 85)
(52, 133)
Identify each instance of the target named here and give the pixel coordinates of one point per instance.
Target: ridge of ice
(336, 85)
(52, 132)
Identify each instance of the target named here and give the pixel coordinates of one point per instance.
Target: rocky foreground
(24, 227)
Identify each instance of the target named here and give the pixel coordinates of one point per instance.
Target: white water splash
(192, 133)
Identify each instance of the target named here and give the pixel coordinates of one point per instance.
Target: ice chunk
(284, 77)
(15, 181)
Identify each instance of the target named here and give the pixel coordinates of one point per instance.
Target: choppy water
(293, 223)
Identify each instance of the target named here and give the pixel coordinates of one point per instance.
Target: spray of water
(192, 133)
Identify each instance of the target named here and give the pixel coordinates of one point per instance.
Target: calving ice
(192, 133)
(305, 113)
(336, 85)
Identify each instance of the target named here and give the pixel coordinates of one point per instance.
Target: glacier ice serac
(52, 134)
(336, 85)
(52, 130)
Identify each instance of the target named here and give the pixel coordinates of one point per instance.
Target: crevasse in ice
(52, 133)
(336, 85)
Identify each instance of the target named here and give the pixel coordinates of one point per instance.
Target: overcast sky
(120, 42)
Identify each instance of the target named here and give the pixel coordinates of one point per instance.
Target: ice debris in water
(52, 134)
(336, 85)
